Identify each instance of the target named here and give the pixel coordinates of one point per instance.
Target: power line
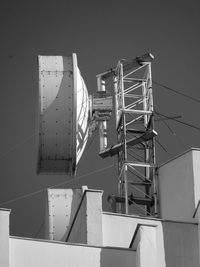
(134, 203)
(164, 148)
(59, 184)
(182, 122)
(18, 145)
(172, 132)
(40, 228)
(177, 92)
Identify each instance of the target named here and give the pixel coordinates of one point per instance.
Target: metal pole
(153, 148)
(116, 100)
(124, 140)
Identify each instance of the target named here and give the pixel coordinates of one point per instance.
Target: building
(79, 233)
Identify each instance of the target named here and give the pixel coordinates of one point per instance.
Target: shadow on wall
(117, 257)
(181, 244)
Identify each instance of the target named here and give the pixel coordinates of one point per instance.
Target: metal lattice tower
(135, 129)
(135, 135)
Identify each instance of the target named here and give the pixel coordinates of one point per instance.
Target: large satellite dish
(63, 110)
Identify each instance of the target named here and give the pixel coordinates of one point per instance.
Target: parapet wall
(179, 187)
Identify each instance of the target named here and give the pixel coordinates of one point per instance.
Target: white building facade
(79, 233)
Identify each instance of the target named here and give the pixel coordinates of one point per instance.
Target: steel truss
(135, 131)
(135, 135)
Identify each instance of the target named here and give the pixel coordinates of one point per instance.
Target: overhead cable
(182, 122)
(172, 132)
(134, 203)
(162, 146)
(18, 145)
(177, 92)
(59, 184)
(39, 230)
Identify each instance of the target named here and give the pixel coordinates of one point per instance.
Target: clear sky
(101, 33)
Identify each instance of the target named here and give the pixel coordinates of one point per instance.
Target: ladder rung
(135, 111)
(140, 164)
(135, 131)
(132, 200)
(140, 183)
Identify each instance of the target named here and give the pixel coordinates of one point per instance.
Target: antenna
(63, 115)
(68, 116)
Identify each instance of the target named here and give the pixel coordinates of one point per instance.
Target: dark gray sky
(101, 33)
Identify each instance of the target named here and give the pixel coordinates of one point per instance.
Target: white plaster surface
(196, 171)
(94, 218)
(179, 187)
(30, 253)
(60, 209)
(198, 218)
(87, 226)
(119, 230)
(148, 247)
(4, 238)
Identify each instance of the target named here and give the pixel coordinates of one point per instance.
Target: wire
(133, 202)
(162, 147)
(40, 228)
(59, 184)
(177, 92)
(137, 189)
(17, 145)
(182, 122)
(172, 132)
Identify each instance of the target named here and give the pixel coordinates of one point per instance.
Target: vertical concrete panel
(78, 228)
(176, 188)
(197, 215)
(196, 171)
(137, 260)
(60, 210)
(118, 229)
(148, 247)
(4, 237)
(94, 218)
(86, 227)
(181, 244)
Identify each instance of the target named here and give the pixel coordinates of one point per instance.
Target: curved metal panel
(63, 114)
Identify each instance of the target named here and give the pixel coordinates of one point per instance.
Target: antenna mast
(135, 135)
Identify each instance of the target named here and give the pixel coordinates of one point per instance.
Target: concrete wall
(118, 229)
(61, 207)
(179, 186)
(197, 215)
(146, 247)
(78, 229)
(181, 244)
(196, 172)
(86, 228)
(31, 253)
(4, 237)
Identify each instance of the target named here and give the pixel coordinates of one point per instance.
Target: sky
(100, 33)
